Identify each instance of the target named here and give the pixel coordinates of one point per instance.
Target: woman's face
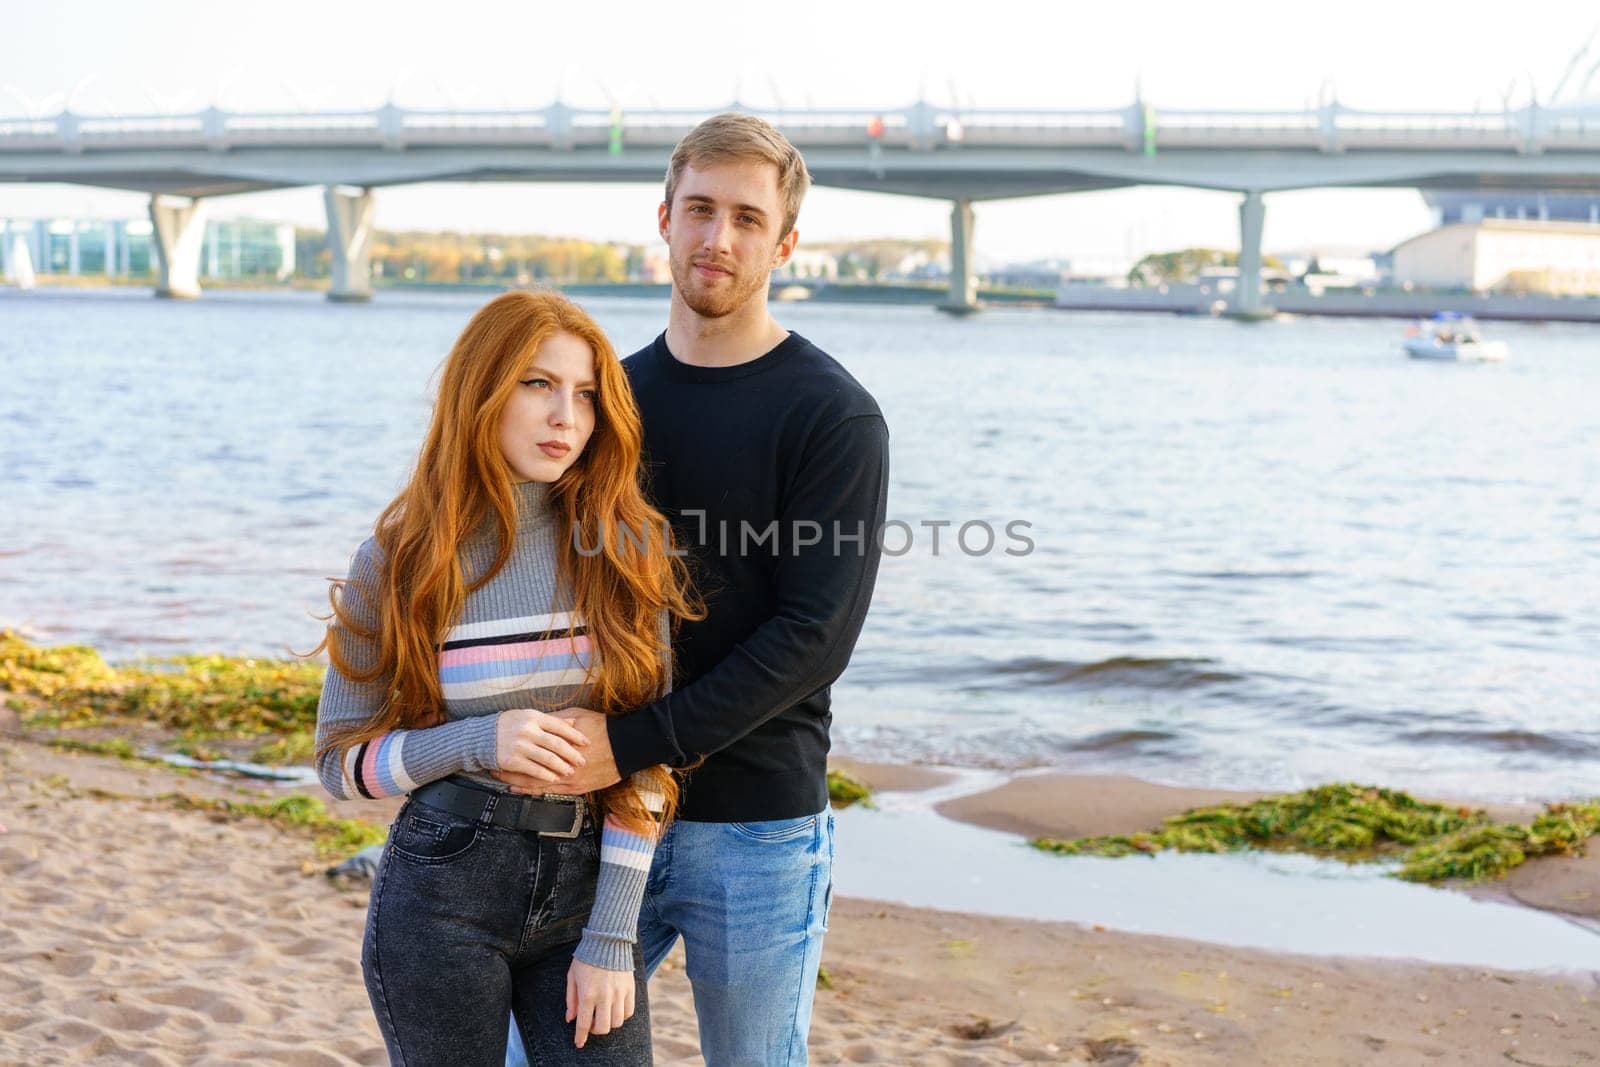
(551, 413)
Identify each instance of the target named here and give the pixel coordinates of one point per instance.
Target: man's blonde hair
(731, 137)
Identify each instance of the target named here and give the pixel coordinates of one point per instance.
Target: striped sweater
(504, 652)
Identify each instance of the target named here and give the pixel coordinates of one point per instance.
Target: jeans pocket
(577, 872)
(775, 830)
(427, 835)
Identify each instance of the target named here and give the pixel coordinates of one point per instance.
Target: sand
(135, 933)
(1067, 805)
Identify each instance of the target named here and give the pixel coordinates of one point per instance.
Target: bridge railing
(1378, 130)
(1237, 129)
(920, 127)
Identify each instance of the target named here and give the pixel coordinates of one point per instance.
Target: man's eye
(748, 220)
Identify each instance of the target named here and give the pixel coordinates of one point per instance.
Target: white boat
(1452, 337)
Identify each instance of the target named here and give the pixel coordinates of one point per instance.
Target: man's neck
(745, 335)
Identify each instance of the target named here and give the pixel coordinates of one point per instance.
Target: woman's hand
(541, 746)
(599, 1000)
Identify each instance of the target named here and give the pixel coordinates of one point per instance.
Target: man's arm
(822, 592)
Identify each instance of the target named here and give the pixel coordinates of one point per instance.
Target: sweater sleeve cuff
(604, 951)
(643, 739)
(478, 746)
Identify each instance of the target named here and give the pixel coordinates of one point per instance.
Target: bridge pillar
(963, 281)
(1247, 302)
(350, 242)
(177, 232)
(19, 258)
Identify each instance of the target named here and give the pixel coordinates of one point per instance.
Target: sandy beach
(137, 932)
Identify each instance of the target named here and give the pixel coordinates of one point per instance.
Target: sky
(177, 55)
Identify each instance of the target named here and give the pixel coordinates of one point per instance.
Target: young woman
(467, 618)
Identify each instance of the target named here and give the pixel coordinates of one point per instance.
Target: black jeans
(469, 922)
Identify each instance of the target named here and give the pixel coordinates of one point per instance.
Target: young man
(773, 464)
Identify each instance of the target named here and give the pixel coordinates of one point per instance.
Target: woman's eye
(541, 383)
(590, 395)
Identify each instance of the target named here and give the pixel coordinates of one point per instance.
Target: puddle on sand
(1283, 902)
(287, 775)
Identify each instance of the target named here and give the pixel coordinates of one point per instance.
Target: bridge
(961, 155)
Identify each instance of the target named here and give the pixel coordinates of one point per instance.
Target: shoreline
(1024, 804)
(1180, 300)
(204, 939)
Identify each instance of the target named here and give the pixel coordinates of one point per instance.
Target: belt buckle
(577, 821)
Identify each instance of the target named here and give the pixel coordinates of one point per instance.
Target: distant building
(117, 248)
(242, 248)
(1054, 273)
(1338, 272)
(922, 267)
(1044, 275)
(110, 247)
(1475, 206)
(809, 263)
(1225, 279)
(1556, 258)
(654, 269)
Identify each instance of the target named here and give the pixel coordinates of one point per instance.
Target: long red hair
(462, 480)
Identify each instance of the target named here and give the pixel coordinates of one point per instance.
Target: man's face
(723, 235)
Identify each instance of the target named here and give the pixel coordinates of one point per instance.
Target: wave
(1523, 616)
(1149, 742)
(1118, 671)
(1533, 741)
(1251, 576)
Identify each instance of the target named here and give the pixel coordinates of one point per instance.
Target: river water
(1262, 556)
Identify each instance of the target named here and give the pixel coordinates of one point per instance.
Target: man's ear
(663, 216)
(785, 249)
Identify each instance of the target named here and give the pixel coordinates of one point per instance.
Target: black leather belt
(547, 816)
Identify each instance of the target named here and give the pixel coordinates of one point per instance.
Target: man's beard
(712, 304)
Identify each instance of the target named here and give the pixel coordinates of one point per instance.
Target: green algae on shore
(845, 790)
(333, 837)
(205, 698)
(202, 696)
(1358, 823)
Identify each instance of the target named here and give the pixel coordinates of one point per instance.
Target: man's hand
(598, 1000)
(600, 766)
(599, 769)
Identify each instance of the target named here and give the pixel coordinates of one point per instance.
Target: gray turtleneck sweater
(510, 648)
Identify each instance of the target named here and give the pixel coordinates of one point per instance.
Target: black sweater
(750, 463)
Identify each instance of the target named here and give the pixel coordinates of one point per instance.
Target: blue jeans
(750, 901)
(470, 922)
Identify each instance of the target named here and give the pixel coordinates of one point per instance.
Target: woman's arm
(522, 740)
(600, 982)
(625, 856)
(401, 760)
